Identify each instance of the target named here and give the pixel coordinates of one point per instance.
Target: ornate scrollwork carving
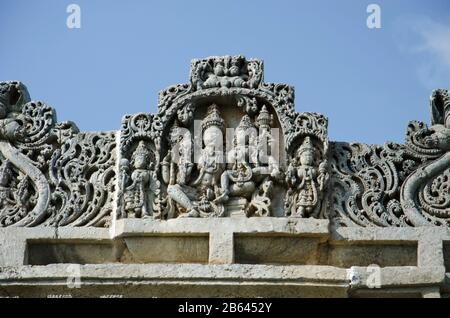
(83, 178)
(21, 174)
(425, 193)
(396, 185)
(365, 184)
(52, 174)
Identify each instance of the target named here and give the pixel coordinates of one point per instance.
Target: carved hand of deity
(291, 178)
(324, 176)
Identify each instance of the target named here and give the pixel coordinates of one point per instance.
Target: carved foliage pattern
(82, 177)
(51, 174)
(396, 185)
(366, 183)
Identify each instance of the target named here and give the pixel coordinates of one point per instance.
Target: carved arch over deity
(226, 93)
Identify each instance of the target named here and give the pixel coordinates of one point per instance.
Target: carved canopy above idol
(222, 146)
(225, 145)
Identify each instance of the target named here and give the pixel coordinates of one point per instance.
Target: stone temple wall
(226, 191)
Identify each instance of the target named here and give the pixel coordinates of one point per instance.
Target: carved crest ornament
(227, 144)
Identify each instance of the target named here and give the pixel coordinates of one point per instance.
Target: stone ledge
(174, 280)
(219, 240)
(195, 280)
(397, 276)
(197, 272)
(314, 227)
(389, 233)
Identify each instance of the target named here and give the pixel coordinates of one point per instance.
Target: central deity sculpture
(240, 187)
(237, 180)
(265, 171)
(197, 198)
(250, 166)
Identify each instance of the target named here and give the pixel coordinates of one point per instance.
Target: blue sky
(368, 82)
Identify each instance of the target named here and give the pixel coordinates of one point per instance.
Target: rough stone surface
(225, 191)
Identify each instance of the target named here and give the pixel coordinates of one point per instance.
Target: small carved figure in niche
(254, 74)
(266, 163)
(224, 72)
(266, 170)
(306, 181)
(196, 198)
(16, 199)
(261, 200)
(136, 202)
(23, 196)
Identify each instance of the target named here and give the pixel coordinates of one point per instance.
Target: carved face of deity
(140, 162)
(212, 137)
(219, 69)
(234, 69)
(307, 158)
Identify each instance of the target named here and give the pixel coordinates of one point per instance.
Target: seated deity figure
(305, 180)
(196, 196)
(237, 180)
(250, 168)
(225, 73)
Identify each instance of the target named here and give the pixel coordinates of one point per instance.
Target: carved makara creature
(58, 176)
(425, 194)
(396, 185)
(53, 175)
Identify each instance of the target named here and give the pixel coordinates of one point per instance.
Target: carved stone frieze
(51, 174)
(226, 144)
